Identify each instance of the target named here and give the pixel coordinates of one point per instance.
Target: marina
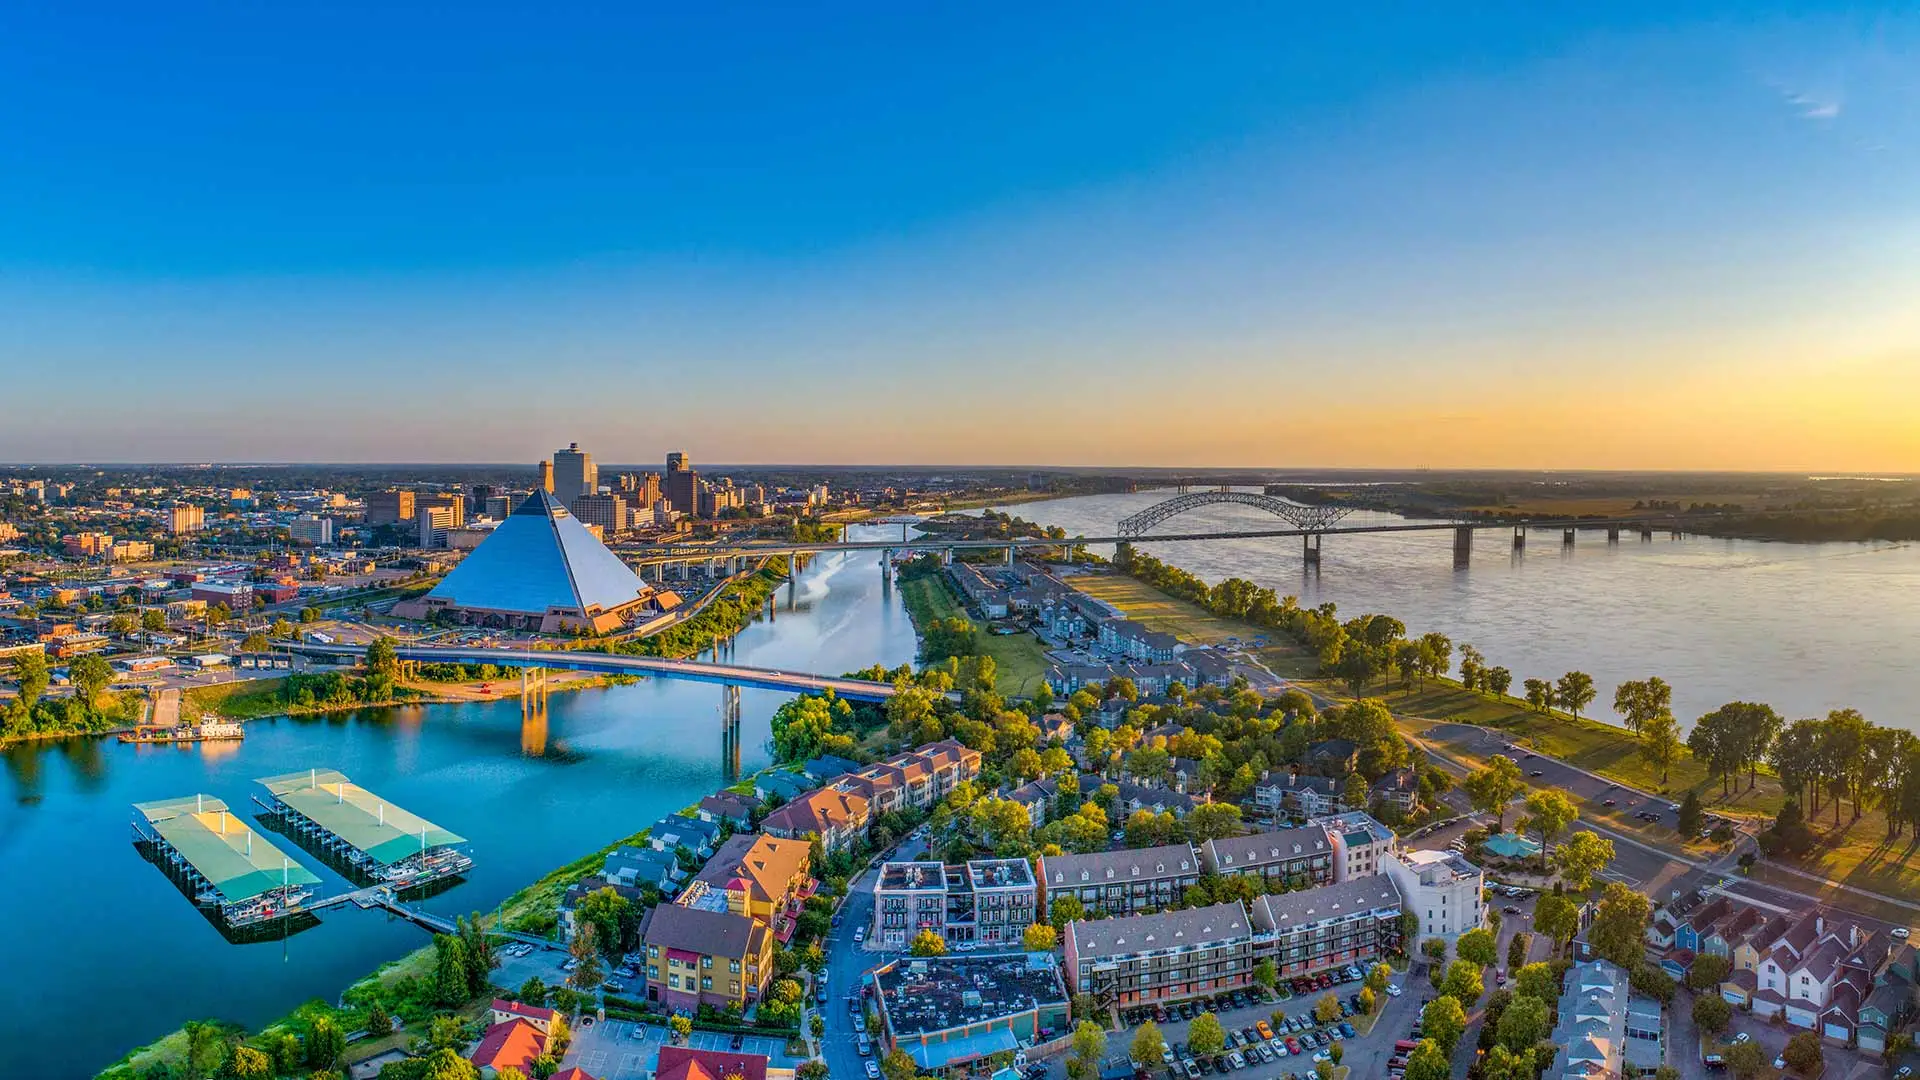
(369, 837)
(224, 864)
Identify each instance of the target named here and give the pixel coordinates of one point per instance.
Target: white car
(1901, 932)
(873, 1070)
(1393, 989)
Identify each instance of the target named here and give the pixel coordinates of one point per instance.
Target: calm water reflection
(103, 950)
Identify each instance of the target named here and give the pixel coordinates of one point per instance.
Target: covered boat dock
(385, 843)
(224, 863)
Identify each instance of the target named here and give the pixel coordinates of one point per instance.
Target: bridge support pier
(1613, 534)
(1566, 537)
(1009, 558)
(1310, 548)
(793, 586)
(533, 692)
(1519, 537)
(1646, 533)
(730, 731)
(886, 571)
(946, 556)
(1462, 545)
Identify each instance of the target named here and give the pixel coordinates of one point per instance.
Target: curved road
(613, 664)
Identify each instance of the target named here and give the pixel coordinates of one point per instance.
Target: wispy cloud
(1810, 106)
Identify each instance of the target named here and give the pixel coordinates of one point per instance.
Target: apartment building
(700, 957)
(1146, 959)
(839, 818)
(1296, 796)
(1298, 857)
(988, 902)
(762, 877)
(1358, 842)
(1350, 922)
(1442, 888)
(1121, 882)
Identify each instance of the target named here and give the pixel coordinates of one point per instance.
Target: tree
(1539, 694)
(1575, 691)
(450, 970)
(1089, 1049)
(1746, 1059)
(1039, 938)
(1619, 926)
(1064, 910)
(813, 1070)
(1463, 982)
(1491, 788)
(1265, 974)
(1327, 1009)
(256, 642)
(326, 1043)
(1499, 680)
(928, 943)
(249, 1064)
(1581, 857)
(1549, 813)
(1692, 815)
(206, 1048)
(1540, 981)
(1707, 972)
(1213, 821)
(899, 1065)
(154, 620)
(1660, 743)
(1504, 1064)
(584, 949)
(1557, 917)
(383, 658)
(1444, 1021)
(1206, 1037)
(1803, 1054)
(1711, 1013)
(1478, 946)
(379, 1023)
(614, 921)
(446, 1032)
(1146, 1046)
(1378, 976)
(1434, 949)
(1517, 949)
(1369, 1001)
(681, 1026)
(90, 675)
(1428, 1061)
(1525, 1022)
(1638, 702)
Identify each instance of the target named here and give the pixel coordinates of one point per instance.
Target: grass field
(1190, 622)
(1020, 662)
(241, 700)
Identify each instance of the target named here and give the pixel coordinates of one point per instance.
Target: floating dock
(223, 862)
(384, 843)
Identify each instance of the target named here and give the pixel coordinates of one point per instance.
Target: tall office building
(389, 507)
(574, 474)
(546, 476)
(682, 484)
(607, 511)
(185, 519)
(454, 502)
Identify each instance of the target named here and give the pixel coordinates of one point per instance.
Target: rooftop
(222, 847)
(364, 820)
(1000, 873)
(1268, 848)
(924, 996)
(1157, 933)
(913, 875)
(1171, 860)
(1367, 893)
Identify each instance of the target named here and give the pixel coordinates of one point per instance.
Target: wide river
(1804, 627)
(104, 953)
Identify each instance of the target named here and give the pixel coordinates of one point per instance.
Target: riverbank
(265, 699)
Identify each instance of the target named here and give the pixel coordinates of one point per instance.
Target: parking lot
(620, 1050)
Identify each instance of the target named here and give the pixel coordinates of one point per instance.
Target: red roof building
(515, 1043)
(681, 1063)
(575, 1073)
(505, 1011)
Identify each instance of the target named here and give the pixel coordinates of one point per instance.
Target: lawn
(239, 700)
(1190, 622)
(1020, 661)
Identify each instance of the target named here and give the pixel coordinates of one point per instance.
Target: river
(105, 954)
(1804, 627)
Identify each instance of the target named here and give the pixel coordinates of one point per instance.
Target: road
(846, 963)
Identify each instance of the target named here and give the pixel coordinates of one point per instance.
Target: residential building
(1398, 788)
(734, 810)
(1358, 843)
(1146, 959)
(635, 867)
(1441, 887)
(1036, 796)
(685, 1063)
(675, 831)
(574, 474)
(781, 784)
(510, 1045)
(763, 877)
(1293, 794)
(1334, 757)
(236, 595)
(1129, 639)
(989, 902)
(1299, 857)
(1311, 930)
(696, 956)
(1121, 882)
(948, 1012)
(828, 767)
(917, 779)
(909, 897)
(1592, 1031)
(1138, 796)
(578, 892)
(183, 518)
(307, 529)
(503, 1011)
(839, 818)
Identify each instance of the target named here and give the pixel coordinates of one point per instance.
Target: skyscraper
(682, 484)
(574, 474)
(546, 476)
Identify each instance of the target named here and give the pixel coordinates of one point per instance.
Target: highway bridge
(612, 664)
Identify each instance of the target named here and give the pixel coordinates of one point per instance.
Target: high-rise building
(499, 506)
(607, 511)
(185, 519)
(389, 507)
(452, 501)
(677, 462)
(434, 523)
(546, 476)
(574, 474)
(682, 486)
(311, 530)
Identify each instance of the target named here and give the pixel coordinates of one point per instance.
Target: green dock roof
(240, 863)
(384, 831)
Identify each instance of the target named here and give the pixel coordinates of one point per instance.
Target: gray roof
(714, 933)
(1591, 1033)
(1103, 867)
(1265, 849)
(1368, 892)
(541, 558)
(1167, 930)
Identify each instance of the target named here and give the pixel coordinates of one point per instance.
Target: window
(733, 966)
(706, 962)
(706, 983)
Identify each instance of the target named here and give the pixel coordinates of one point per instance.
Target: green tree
(1619, 926)
(206, 1048)
(928, 943)
(1499, 680)
(1804, 1055)
(256, 642)
(154, 620)
(1089, 1049)
(1584, 855)
(1692, 814)
(383, 658)
(446, 1032)
(1660, 743)
(1525, 1022)
(1491, 788)
(326, 1043)
(1146, 1045)
(1711, 1013)
(1463, 981)
(813, 1070)
(379, 1023)
(1503, 1064)
(1039, 938)
(1444, 1021)
(899, 1065)
(1708, 971)
(1557, 917)
(1549, 813)
(1434, 949)
(90, 675)
(450, 970)
(1478, 945)
(1205, 1035)
(1541, 981)
(585, 952)
(1265, 974)
(1517, 949)
(615, 923)
(1575, 691)
(1428, 1062)
(1746, 1059)
(249, 1064)
(1639, 701)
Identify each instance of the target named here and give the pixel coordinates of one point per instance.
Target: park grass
(1858, 853)
(240, 700)
(1020, 661)
(1192, 623)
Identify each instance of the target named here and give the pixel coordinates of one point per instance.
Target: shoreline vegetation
(945, 631)
(1840, 791)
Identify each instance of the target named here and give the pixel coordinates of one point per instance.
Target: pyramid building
(539, 570)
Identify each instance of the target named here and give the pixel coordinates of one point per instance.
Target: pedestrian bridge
(614, 664)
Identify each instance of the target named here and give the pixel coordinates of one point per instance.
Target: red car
(1293, 1045)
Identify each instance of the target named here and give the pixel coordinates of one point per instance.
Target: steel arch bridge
(1308, 519)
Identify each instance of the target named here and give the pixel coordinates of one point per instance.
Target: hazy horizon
(1093, 235)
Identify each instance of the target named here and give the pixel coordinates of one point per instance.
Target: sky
(1637, 236)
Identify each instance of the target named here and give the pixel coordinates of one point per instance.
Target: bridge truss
(1310, 519)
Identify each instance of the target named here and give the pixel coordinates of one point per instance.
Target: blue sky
(1092, 234)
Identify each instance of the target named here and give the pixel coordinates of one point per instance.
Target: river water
(104, 953)
(1804, 627)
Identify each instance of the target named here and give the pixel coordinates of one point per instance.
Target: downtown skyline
(1093, 237)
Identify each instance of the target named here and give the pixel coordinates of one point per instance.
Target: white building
(307, 529)
(1358, 842)
(1442, 888)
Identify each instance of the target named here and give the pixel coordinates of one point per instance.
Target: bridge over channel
(381, 896)
(613, 664)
